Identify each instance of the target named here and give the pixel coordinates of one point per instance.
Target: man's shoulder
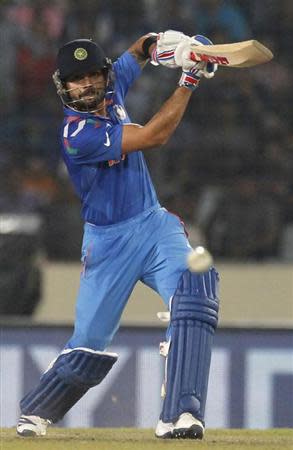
(77, 119)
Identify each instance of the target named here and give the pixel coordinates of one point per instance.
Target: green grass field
(134, 439)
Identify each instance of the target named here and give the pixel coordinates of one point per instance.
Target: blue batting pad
(70, 377)
(194, 317)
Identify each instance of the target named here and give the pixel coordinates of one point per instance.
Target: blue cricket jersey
(112, 187)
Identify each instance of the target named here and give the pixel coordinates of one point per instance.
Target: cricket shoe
(164, 430)
(186, 427)
(31, 426)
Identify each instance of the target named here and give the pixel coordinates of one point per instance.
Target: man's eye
(77, 78)
(97, 75)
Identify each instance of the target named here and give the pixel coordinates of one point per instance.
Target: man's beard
(90, 99)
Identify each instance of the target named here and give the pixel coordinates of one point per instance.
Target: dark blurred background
(227, 170)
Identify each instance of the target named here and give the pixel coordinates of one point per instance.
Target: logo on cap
(80, 53)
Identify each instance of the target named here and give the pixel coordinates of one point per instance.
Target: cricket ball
(199, 260)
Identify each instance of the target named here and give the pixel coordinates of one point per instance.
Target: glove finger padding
(173, 50)
(207, 70)
(167, 42)
(183, 56)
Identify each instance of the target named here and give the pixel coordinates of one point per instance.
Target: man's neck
(102, 110)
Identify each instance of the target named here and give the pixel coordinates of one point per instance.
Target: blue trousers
(151, 247)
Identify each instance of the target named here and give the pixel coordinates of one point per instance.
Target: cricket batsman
(128, 235)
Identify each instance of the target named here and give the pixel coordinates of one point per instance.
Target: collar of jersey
(70, 112)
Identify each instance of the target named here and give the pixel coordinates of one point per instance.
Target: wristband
(147, 43)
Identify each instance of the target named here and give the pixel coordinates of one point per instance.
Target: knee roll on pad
(69, 378)
(194, 317)
(196, 298)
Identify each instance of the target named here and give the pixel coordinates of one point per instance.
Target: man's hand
(190, 78)
(167, 43)
(182, 56)
(173, 51)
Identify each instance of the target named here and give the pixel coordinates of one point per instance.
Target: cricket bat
(239, 54)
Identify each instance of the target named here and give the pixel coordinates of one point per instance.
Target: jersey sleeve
(87, 141)
(126, 70)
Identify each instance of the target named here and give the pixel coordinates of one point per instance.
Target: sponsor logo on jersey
(112, 162)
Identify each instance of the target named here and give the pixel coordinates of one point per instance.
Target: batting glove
(167, 42)
(183, 56)
(190, 78)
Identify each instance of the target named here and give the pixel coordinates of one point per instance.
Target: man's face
(87, 90)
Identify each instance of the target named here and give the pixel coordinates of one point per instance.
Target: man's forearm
(158, 130)
(165, 121)
(140, 52)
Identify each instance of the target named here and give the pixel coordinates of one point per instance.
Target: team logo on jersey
(80, 54)
(119, 112)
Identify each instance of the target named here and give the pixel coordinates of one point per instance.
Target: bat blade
(239, 54)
